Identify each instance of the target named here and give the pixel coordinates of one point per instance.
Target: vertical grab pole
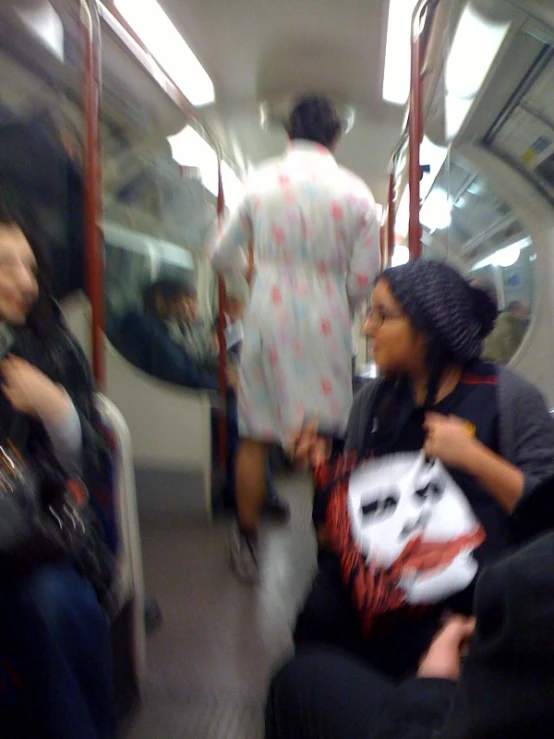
(391, 220)
(222, 425)
(94, 258)
(416, 135)
(383, 246)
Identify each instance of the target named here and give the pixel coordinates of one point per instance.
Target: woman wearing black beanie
(489, 429)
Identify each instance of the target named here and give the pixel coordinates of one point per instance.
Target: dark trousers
(326, 694)
(328, 617)
(52, 626)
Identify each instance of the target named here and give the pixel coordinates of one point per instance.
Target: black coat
(506, 688)
(56, 353)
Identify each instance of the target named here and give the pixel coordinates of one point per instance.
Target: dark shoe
(276, 509)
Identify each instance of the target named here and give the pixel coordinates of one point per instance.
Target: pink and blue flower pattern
(316, 244)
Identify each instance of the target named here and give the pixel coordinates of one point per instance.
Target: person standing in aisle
(315, 236)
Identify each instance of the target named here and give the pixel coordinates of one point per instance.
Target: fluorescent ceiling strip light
(474, 49)
(505, 257)
(169, 48)
(146, 59)
(476, 44)
(436, 213)
(189, 149)
(396, 80)
(43, 22)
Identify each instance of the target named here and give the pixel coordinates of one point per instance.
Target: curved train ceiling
(513, 118)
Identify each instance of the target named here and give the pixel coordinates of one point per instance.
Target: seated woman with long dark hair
(385, 580)
(51, 621)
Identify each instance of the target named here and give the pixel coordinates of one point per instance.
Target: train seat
(171, 436)
(170, 428)
(115, 498)
(127, 599)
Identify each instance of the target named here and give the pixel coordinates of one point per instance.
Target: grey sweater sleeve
(526, 429)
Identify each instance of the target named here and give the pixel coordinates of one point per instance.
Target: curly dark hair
(315, 118)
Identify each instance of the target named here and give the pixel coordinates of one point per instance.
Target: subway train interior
(128, 128)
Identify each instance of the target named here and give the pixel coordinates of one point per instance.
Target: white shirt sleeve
(226, 246)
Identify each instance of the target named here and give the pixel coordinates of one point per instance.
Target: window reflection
(41, 173)
(483, 238)
(156, 218)
(156, 212)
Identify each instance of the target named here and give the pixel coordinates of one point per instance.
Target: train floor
(210, 659)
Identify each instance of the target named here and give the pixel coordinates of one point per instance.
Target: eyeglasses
(378, 316)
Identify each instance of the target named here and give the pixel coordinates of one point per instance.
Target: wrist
(473, 457)
(54, 404)
(437, 670)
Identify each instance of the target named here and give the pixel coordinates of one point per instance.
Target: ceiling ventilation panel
(524, 134)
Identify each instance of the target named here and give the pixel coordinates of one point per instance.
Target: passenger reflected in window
(190, 329)
(507, 335)
(153, 341)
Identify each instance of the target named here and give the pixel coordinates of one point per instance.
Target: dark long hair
(43, 314)
(454, 315)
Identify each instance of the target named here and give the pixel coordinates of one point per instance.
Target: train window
(472, 226)
(40, 139)
(156, 218)
(156, 210)
(486, 107)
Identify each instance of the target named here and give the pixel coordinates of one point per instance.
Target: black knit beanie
(440, 302)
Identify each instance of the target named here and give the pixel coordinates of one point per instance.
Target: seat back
(172, 438)
(129, 584)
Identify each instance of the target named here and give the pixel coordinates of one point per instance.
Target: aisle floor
(210, 660)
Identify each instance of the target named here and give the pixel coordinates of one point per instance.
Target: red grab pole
(416, 135)
(391, 220)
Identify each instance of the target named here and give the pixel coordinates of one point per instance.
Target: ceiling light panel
(396, 81)
(169, 48)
